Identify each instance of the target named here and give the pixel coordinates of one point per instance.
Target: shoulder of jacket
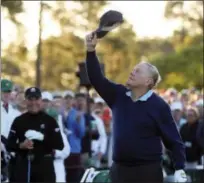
(22, 116)
(50, 118)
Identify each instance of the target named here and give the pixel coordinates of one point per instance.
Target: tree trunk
(39, 51)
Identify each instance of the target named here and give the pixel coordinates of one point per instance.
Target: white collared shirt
(7, 119)
(143, 97)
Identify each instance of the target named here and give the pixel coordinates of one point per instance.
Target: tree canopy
(179, 57)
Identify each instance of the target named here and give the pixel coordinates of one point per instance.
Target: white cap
(99, 100)
(47, 95)
(68, 93)
(176, 106)
(199, 102)
(171, 91)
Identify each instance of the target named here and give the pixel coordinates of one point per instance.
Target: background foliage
(179, 57)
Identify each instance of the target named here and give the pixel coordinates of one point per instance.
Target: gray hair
(155, 75)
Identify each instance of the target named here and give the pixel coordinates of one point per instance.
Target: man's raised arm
(105, 88)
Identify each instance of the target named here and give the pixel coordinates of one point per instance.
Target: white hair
(155, 75)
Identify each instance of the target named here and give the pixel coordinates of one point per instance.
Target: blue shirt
(77, 130)
(139, 127)
(142, 98)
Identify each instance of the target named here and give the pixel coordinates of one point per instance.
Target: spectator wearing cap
(34, 136)
(99, 145)
(47, 99)
(188, 133)
(49, 108)
(99, 103)
(57, 100)
(8, 113)
(177, 113)
(60, 155)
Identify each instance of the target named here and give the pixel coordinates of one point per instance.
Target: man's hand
(27, 144)
(180, 176)
(34, 135)
(67, 132)
(90, 42)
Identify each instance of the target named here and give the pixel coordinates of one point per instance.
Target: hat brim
(33, 97)
(6, 90)
(100, 33)
(103, 30)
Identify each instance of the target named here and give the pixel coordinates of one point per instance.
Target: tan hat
(99, 100)
(47, 96)
(176, 106)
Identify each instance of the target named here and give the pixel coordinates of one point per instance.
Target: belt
(34, 156)
(139, 163)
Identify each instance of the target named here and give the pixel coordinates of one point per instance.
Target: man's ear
(150, 82)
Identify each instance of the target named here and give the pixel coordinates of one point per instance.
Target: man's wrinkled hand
(91, 42)
(27, 144)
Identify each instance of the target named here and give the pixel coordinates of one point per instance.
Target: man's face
(99, 106)
(184, 98)
(139, 77)
(68, 101)
(46, 104)
(191, 116)
(57, 103)
(81, 103)
(34, 105)
(6, 96)
(20, 101)
(177, 114)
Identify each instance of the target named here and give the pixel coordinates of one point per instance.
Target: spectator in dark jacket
(188, 133)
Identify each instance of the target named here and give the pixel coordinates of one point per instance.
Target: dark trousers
(73, 168)
(11, 169)
(42, 170)
(151, 173)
